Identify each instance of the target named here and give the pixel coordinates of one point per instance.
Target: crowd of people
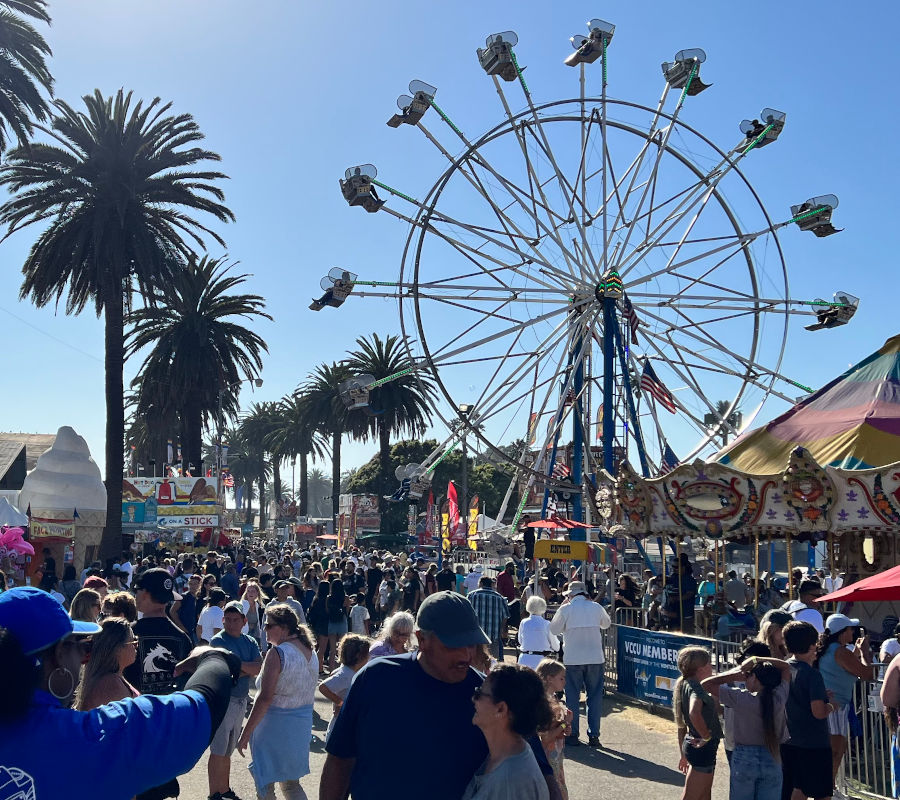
(358, 628)
(366, 630)
(786, 709)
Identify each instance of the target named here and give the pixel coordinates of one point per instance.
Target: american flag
(560, 471)
(632, 318)
(228, 480)
(652, 384)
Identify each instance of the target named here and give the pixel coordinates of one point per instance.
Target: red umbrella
(556, 523)
(885, 586)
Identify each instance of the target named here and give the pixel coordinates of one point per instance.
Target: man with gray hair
(581, 622)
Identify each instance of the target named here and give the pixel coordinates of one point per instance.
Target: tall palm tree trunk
(261, 480)
(303, 505)
(335, 476)
(192, 431)
(114, 342)
(248, 498)
(384, 466)
(276, 477)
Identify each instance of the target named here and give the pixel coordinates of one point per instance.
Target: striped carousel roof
(853, 422)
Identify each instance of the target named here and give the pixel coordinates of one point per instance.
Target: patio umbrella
(885, 586)
(556, 523)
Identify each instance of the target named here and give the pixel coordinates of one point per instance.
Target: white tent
(10, 515)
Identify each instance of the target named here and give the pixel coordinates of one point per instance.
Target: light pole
(464, 410)
(220, 432)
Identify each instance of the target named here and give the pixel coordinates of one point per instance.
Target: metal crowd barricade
(866, 769)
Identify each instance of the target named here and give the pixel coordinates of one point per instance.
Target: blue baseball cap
(37, 619)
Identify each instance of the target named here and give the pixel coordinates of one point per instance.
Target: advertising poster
(646, 663)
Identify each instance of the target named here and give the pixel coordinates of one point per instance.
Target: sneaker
(572, 741)
(229, 795)
(594, 741)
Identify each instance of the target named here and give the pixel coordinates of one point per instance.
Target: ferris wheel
(591, 268)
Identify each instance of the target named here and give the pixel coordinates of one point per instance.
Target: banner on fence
(647, 663)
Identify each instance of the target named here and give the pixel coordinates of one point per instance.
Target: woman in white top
(279, 730)
(254, 611)
(535, 638)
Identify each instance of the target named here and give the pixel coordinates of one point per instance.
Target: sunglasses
(83, 645)
(480, 692)
(269, 625)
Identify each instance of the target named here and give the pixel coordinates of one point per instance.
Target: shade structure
(853, 422)
(883, 587)
(10, 515)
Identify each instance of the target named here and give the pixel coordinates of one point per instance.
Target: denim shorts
(701, 759)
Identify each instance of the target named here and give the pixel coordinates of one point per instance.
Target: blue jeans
(755, 774)
(589, 676)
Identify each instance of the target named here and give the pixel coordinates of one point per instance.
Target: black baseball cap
(158, 583)
(451, 618)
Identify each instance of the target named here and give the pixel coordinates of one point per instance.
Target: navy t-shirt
(366, 729)
(807, 685)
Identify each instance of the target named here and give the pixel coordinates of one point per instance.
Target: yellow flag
(473, 523)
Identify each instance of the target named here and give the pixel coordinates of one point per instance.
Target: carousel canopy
(851, 423)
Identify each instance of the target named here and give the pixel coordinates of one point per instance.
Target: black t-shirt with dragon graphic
(161, 645)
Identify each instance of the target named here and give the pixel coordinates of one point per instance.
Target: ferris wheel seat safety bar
(591, 47)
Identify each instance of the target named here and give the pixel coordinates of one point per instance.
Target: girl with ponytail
(758, 726)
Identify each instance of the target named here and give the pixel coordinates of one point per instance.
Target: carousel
(824, 471)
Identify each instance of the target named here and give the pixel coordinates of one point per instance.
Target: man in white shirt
(471, 582)
(804, 609)
(581, 622)
(127, 568)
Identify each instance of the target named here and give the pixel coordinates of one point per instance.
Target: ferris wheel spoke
(507, 223)
(523, 369)
(509, 331)
(549, 343)
(752, 370)
(710, 183)
(532, 173)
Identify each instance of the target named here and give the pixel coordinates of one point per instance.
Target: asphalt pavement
(638, 758)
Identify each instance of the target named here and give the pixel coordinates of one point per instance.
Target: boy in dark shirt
(806, 757)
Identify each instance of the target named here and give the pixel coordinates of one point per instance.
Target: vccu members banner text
(647, 663)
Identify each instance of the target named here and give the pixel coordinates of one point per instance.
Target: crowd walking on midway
(132, 673)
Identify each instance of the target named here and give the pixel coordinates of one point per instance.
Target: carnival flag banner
(632, 318)
(651, 384)
(598, 424)
(429, 520)
(474, 504)
(532, 428)
(456, 536)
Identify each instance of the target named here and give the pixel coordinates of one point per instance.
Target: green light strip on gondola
(759, 138)
(687, 86)
(519, 511)
(807, 389)
(394, 191)
(389, 378)
(374, 283)
(605, 40)
(515, 62)
(830, 303)
(444, 117)
(433, 467)
(812, 213)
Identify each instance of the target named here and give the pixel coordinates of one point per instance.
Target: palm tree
(197, 346)
(401, 405)
(254, 429)
(115, 193)
(319, 489)
(323, 397)
(295, 435)
(23, 70)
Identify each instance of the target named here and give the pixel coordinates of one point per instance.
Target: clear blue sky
(292, 93)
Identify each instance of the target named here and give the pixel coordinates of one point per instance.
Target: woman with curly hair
(510, 706)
